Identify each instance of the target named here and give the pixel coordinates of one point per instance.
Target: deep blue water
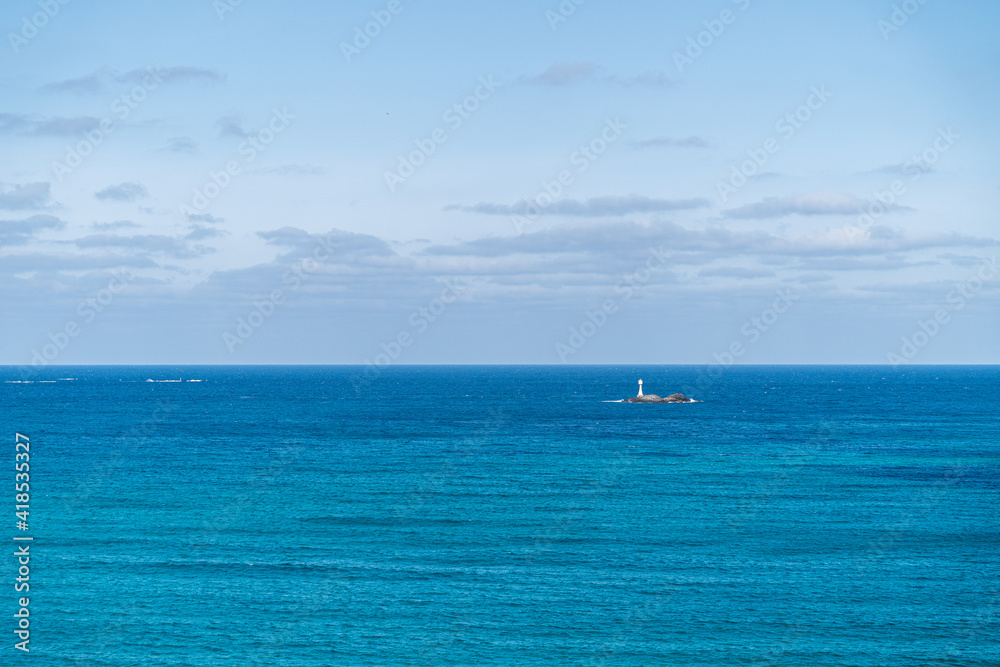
(507, 516)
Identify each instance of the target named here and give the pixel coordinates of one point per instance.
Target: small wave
(619, 401)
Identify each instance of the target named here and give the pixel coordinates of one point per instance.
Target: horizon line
(480, 365)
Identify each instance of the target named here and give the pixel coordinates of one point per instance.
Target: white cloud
(123, 192)
(567, 73)
(818, 203)
(591, 208)
(19, 232)
(30, 196)
(671, 142)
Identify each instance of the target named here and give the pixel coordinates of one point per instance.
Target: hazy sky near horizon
(518, 182)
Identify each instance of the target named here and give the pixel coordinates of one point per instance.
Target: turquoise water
(508, 516)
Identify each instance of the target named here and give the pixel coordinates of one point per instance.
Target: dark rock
(648, 398)
(653, 398)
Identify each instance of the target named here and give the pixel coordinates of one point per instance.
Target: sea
(502, 515)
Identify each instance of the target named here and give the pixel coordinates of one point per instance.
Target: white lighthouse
(640, 387)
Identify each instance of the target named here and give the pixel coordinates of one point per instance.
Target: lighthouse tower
(640, 387)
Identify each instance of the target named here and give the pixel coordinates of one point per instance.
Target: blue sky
(251, 194)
